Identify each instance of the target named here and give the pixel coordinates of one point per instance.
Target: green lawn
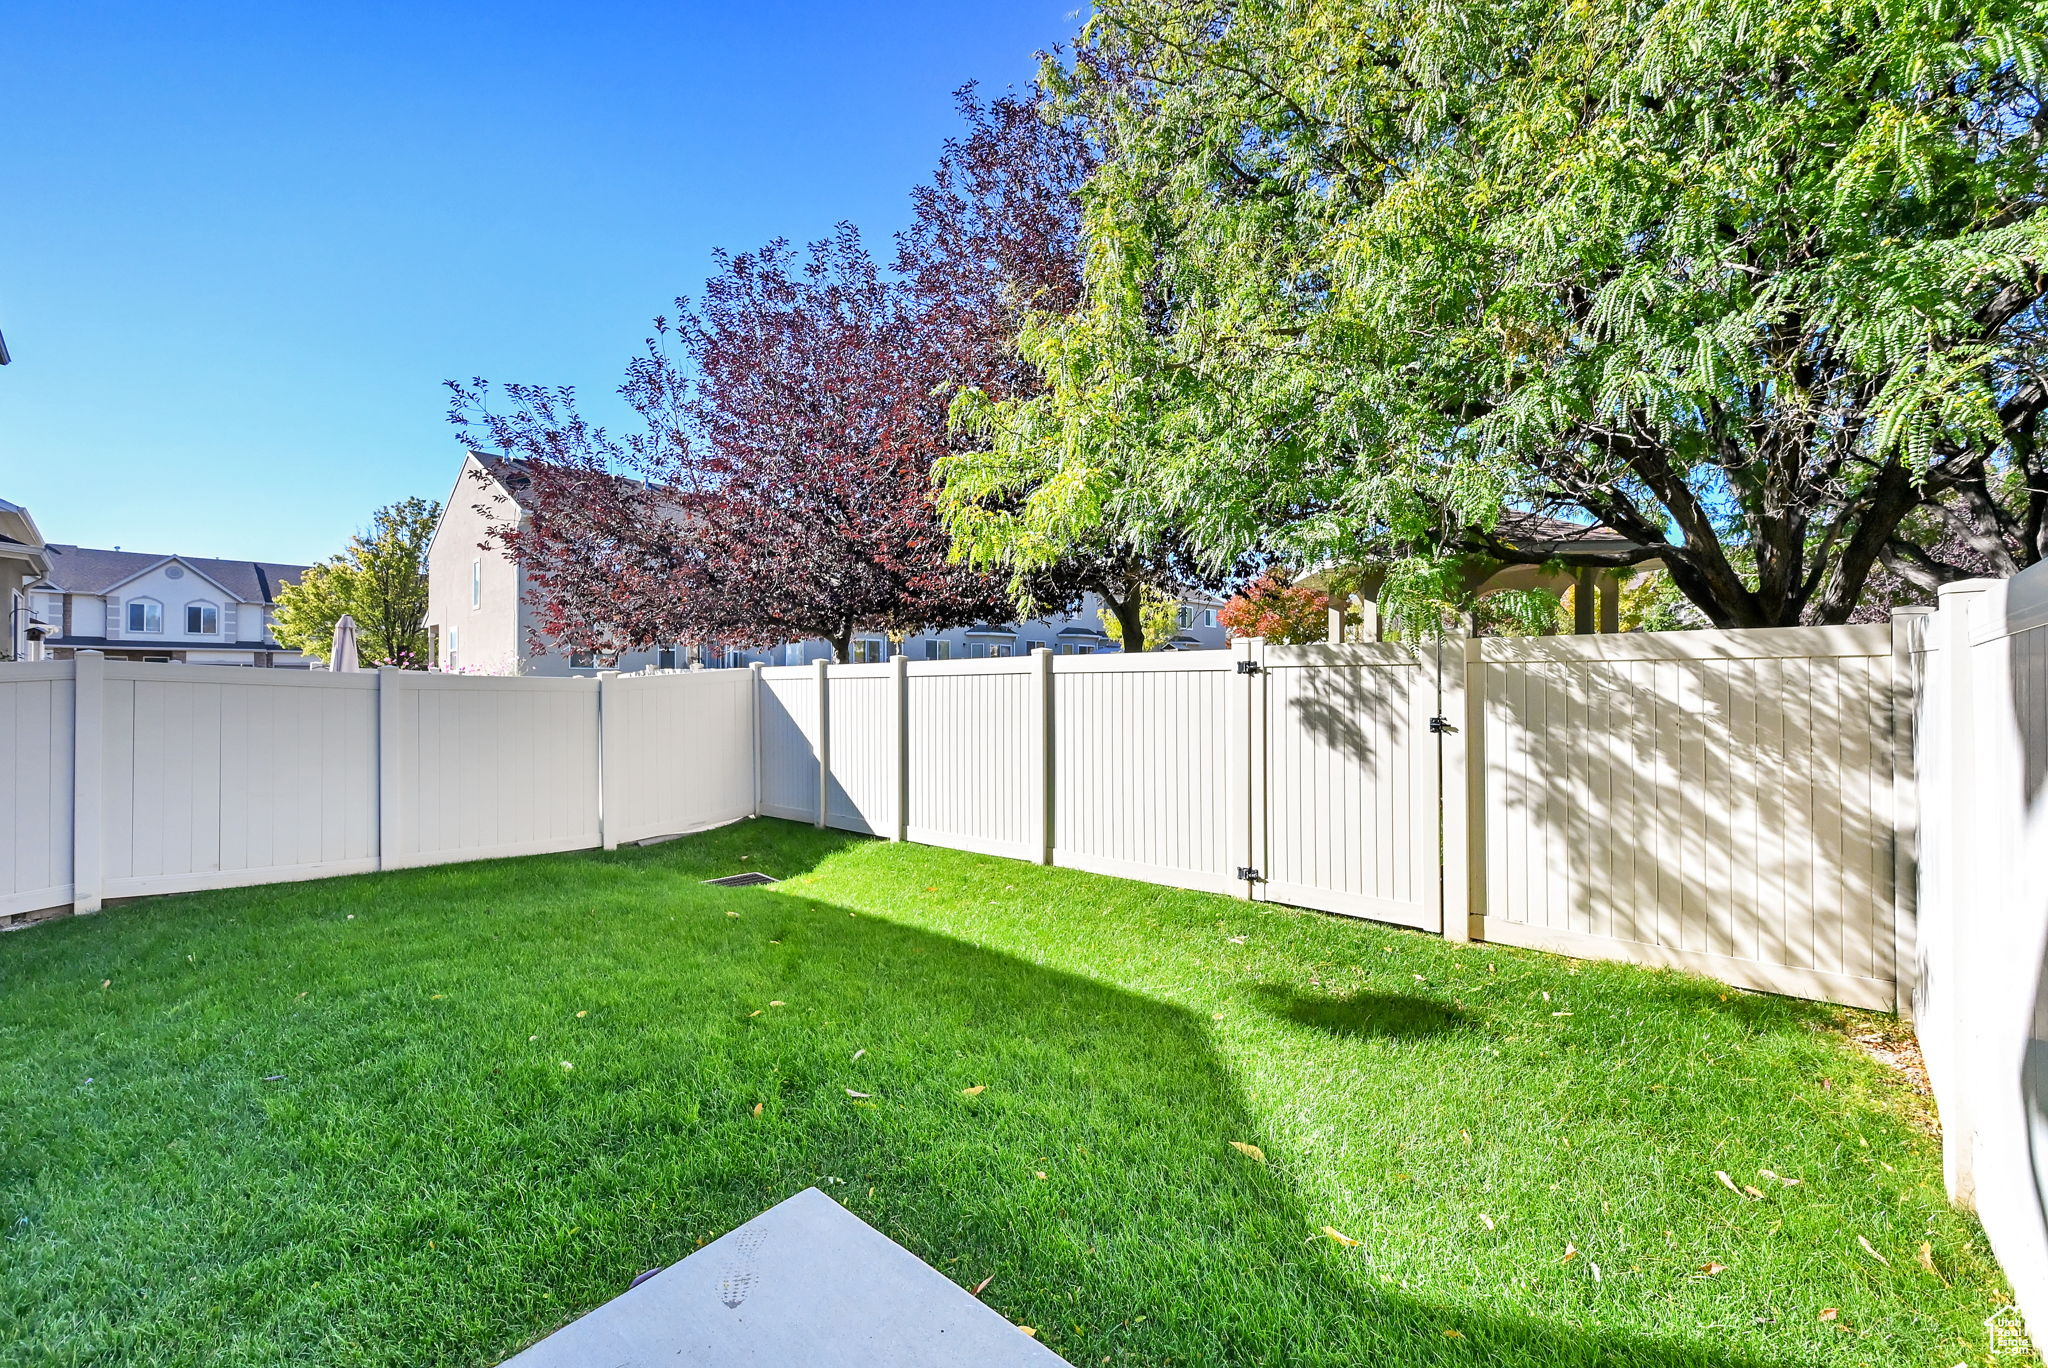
(507, 1088)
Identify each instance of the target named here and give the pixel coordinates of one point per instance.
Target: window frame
(128, 614)
(205, 611)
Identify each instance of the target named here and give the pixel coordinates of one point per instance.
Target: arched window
(145, 615)
(202, 619)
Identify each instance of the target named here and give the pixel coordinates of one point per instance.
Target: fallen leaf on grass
(756, 1012)
(1029, 1331)
(1237, 940)
(1828, 1313)
(1560, 1013)
(772, 1004)
(1729, 1183)
(1596, 1269)
(1486, 1220)
(1926, 1257)
(1710, 1269)
(108, 983)
(1754, 1194)
(1251, 1150)
(567, 1065)
(582, 1014)
(273, 1078)
(1340, 1237)
(732, 914)
(1454, 1334)
(982, 1286)
(1871, 1250)
(861, 1051)
(757, 1109)
(974, 1091)
(851, 1093)
(1571, 1251)
(438, 996)
(1039, 1175)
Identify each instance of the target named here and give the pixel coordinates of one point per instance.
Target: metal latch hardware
(1248, 667)
(1440, 725)
(1247, 874)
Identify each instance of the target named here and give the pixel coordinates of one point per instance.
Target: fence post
(754, 711)
(899, 710)
(88, 779)
(608, 766)
(824, 739)
(1471, 671)
(1452, 802)
(1041, 744)
(1245, 758)
(389, 678)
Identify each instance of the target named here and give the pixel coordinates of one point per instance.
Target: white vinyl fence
(134, 778)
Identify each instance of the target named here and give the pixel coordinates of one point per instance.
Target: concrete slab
(806, 1282)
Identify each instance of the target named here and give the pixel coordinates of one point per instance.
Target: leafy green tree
(1750, 281)
(1148, 620)
(380, 580)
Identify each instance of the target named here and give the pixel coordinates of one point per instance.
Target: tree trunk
(1130, 617)
(842, 644)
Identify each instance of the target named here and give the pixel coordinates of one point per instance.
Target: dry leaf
(732, 914)
(1217, 1016)
(108, 983)
(974, 1091)
(1754, 1194)
(851, 1093)
(756, 1012)
(861, 1051)
(1596, 1269)
(1454, 1334)
(1560, 1013)
(1871, 1250)
(582, 1014)
(1340, 1237)
(1252, 1150)
(1237, 940)
(1029, 1331)
(1927, 1258)
(982, 1286)
(567, 1065)
(1728, 1182)
(1571, 1251)
(1828, 1313)
(757, 1109)
(1710, 1269)
(1486, 1220)
(772, 1004)
(1039, 1175)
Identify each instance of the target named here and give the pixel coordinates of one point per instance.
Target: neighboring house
(134, 605)
(23, 561)
(479, 620)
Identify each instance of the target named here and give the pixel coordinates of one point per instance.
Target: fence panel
(1719, 801)
(789, 735)
(216, 777)
(678, 752)
(490, 767)
(36, 800)
(860, 794)
(1346, 808)
(975, 760)
(1142, 769)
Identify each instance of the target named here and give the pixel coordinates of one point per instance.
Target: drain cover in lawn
(805, 1282)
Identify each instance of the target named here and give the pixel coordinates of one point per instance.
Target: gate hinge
(1248, 667)
(1247, 874)
(1440, 725)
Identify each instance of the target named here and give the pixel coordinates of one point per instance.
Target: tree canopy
(1754, 282)
(380, 581)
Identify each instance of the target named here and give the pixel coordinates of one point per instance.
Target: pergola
(1551, 555)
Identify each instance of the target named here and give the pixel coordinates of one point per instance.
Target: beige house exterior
(23, 561)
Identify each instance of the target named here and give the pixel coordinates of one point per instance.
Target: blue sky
(241, 246)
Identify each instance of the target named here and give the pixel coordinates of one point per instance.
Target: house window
(581, 660)
(144, 616)
(869, 651)
(201, 619)
(454, 644)
(476, 584)
(941, 649)
(665, 658)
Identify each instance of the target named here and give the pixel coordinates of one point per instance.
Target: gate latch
(1247, 667)
(1247, 874)
(1439, 725)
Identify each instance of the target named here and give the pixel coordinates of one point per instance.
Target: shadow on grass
(1394, 1016)
(439, 1188)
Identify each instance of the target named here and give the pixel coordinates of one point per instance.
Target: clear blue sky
(241, 246)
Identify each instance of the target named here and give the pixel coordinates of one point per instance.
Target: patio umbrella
(341, 653)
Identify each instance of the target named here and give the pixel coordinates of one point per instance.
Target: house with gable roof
(136, 605)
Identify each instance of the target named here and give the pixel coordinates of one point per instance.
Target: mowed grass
(428, 1117)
